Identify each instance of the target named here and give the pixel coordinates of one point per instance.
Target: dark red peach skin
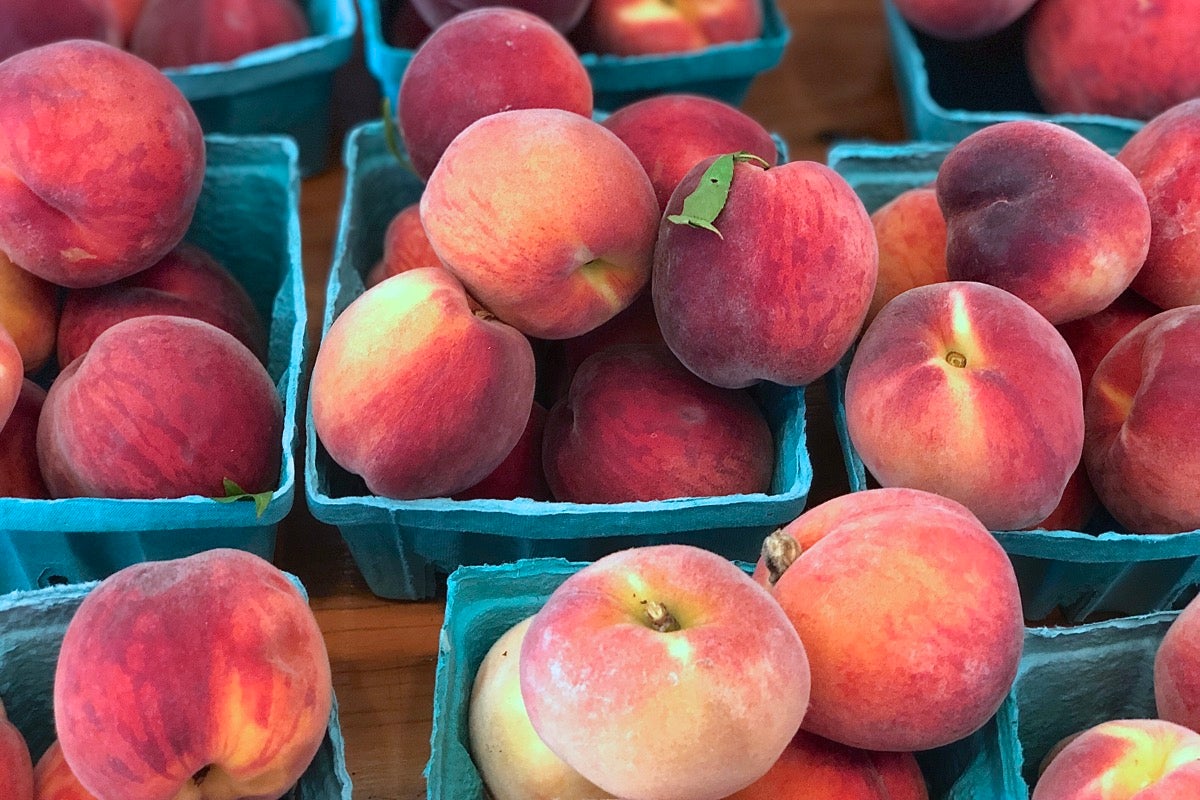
(29, 23)
(179, 33)
(20, 475)
(520, 474)
(1092, 337)
(962, 20)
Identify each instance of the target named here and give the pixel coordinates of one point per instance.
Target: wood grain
(834, 82)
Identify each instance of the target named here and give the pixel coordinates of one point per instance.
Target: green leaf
(233, 493)
(707, 200)
(391, 135)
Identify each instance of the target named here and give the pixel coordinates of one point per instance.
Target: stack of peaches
(166, 33)
(1038, 331)
(161, 389)
(591, 243)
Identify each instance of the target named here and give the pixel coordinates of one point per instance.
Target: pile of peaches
(540, 229)
(202, 677)
(160, 388)
(166, 33)
(1038, 334)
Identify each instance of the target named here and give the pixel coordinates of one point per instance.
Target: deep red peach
(20, 475)
(179, 33)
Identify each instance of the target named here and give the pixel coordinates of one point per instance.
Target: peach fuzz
(418, 392)
(1177, 670)
(1092, 337)
(405, 247)
(520, 474)
(20, 475)
(16, 767)
(53, 779)
(187, 282)
(179, 33)
(512, 761)
(962, 389)
(1130, 759)
(1127, 58)
(1164, 156)
(78, 110)
(671, 133)
(915, 640)
(651, 27)
(812, 768)
(29, 312)
(161, 406)
(200, 677)
(781, 294)
(480, 63)
(546, 217)
(911, 232)
(960, 20)
(29, 23)
(664, 672)
(1143, 447)
(1041, 212)
(637, 425)
(12, 373)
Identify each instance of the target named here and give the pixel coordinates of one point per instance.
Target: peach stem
(779, 551)
(660, 618)
(956, 359)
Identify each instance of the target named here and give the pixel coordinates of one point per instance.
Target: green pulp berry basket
(722, 71)
(285, 89)
(483, 602)
(32, 625)
(1102, 571)
(248, 217)
(949, 90)
(402, 546)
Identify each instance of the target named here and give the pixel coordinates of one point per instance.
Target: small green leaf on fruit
(707, 200)
(233, 493)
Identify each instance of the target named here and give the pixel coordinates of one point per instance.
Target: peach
(127, 12)
(1092, 337)
(20, 475)
(480, 63)
(562, 14)
(418, 392)
(405, 247)
(179, 33)
(12, 373)
(92, 192)
(1128, 58)
(512, 761)
(29, 311)
(671, 133)
(1040, 211)
(1177, 670)
(650, 27)
(16, 767)
(637, 324)
(187, 282)
(781, 292)
(1076, 507)
(664, 672)
(145, 711)
(911, 232)
(53, 779)
(161, 406)
(1130, 759)
(909, 611)
(26, 24)
(1164, 156)
(812, 768)
(637, 425)
(960, 20)
(1143, 448)
(546, 217)
(964, 390)
(520, 474)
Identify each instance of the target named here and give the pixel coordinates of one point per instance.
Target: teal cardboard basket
(32, 625)
(285, 89)
(723, 71)
(248, 217)
(1084, 574)
(483, 602)
(1071, 679)
(949, 90)
(402, 546)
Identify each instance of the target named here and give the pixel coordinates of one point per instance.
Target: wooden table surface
(835, 82)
